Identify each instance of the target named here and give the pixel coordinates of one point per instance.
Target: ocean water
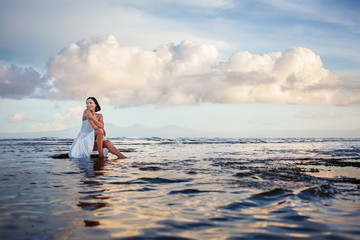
(182, 188)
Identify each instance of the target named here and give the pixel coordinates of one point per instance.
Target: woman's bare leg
(99, 136)
(113, 149)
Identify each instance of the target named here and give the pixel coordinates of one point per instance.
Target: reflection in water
(93, 198)
(91, 167)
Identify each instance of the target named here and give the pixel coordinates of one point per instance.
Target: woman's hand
(88, 114)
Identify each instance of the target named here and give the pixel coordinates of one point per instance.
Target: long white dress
(83, 144)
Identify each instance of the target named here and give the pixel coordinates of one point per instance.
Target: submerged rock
(60, 156)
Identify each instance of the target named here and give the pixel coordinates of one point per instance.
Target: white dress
(83, 144)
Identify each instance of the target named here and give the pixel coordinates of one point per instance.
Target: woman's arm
(96, 123)
(99, 122)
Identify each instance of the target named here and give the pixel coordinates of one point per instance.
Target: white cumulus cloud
(129, 75)
(189, 73)
(180, 74)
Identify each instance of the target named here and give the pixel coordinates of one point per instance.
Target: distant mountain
(112, 130)
(311, 133)
(66, 133)
(138, 130)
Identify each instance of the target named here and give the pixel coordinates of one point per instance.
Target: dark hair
(97, 108)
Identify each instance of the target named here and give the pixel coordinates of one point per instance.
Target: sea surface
(182, 188)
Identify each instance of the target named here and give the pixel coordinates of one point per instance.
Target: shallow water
(182, 188)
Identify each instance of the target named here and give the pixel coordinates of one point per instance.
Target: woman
(92, 133)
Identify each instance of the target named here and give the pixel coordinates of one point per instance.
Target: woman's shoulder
(99, 115)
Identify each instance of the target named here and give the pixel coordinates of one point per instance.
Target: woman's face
(90, 105)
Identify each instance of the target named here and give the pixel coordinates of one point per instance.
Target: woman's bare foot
(121, 156)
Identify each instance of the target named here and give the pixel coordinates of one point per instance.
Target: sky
(217, 66)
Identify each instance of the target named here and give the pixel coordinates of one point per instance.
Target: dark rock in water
(150, 168)
(243, 174)
(66, 155)
(91, 206)
(60, 156)
(91, 223)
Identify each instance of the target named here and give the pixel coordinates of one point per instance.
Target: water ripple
(182, 188)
